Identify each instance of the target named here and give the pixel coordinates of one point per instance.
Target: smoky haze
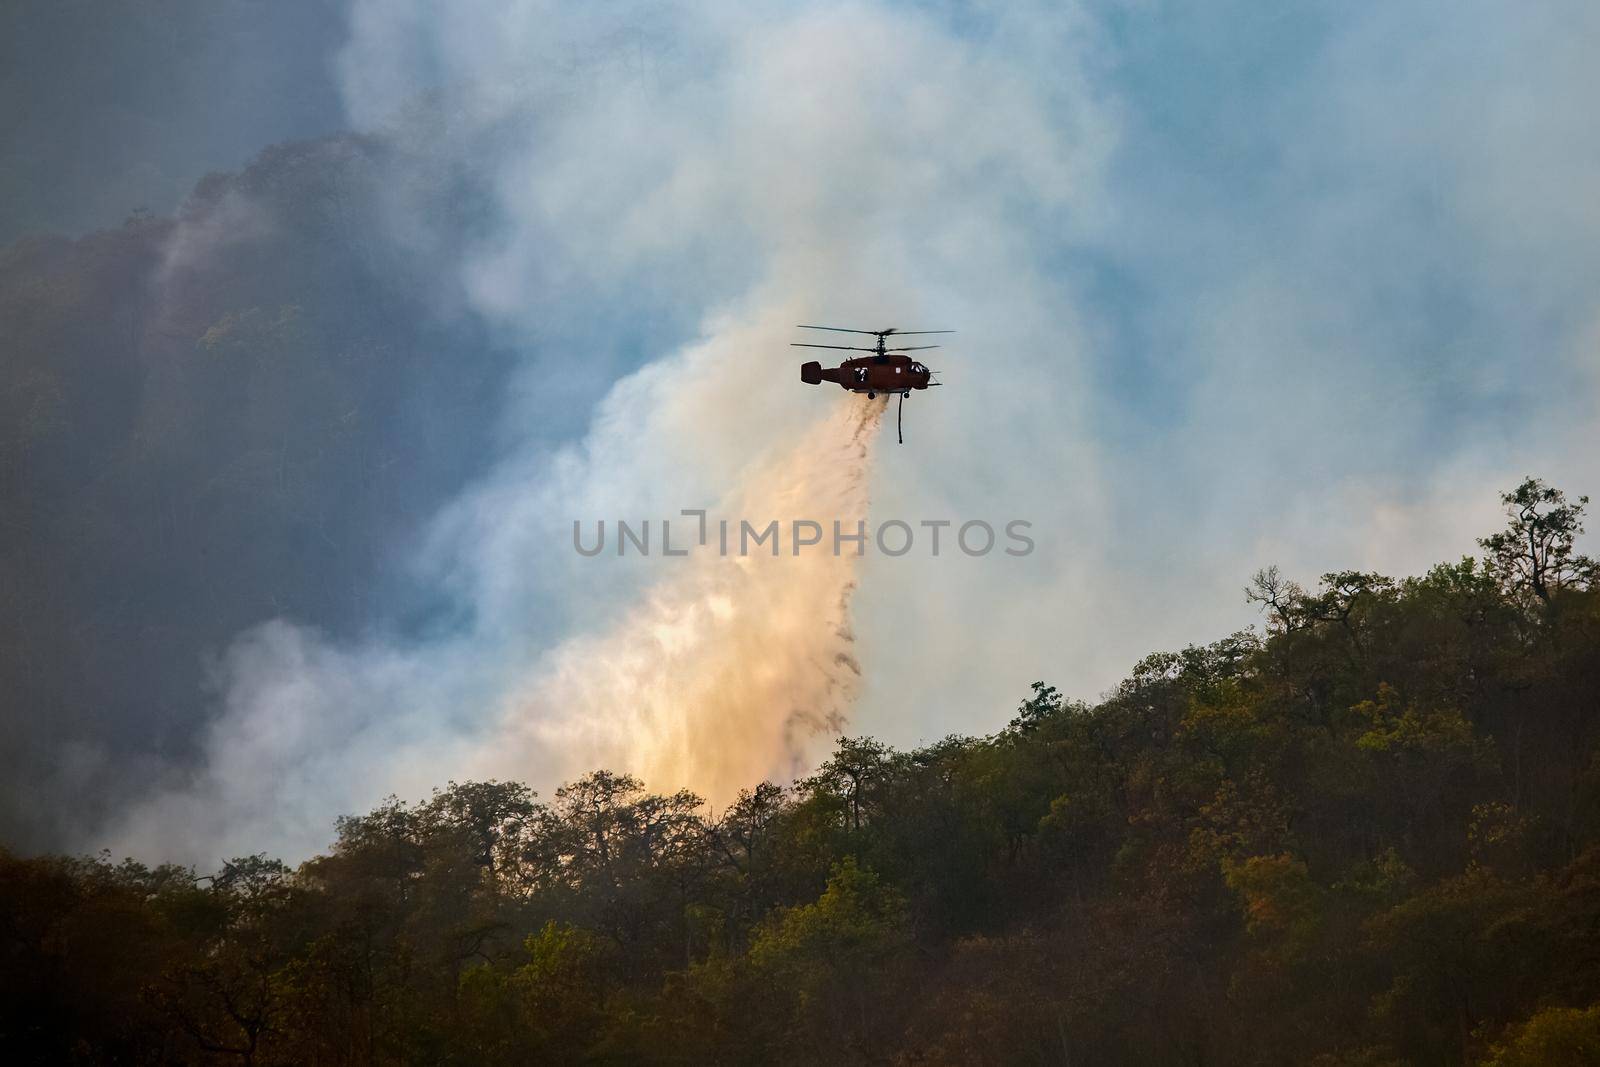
(107, 109)
(1219, 305)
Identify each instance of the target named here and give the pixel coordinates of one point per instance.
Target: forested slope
(1367, 835)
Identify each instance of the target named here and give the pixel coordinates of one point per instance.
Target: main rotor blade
(841, 329)
(842, 348)
(906, 333)
(912, 348)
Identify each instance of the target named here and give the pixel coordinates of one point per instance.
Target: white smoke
(756, 166)
(845, 161)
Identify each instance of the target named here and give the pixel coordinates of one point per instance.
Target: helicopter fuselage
(890, 373)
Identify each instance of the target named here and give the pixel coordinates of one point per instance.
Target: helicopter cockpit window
(917, 368)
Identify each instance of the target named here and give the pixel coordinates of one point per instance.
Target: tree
(1556, 1037)
(828, 962)
(850, 774)
(1045, 702)
(1536, 547)
(1283, 597)
(493, 816)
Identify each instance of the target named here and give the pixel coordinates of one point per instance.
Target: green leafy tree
(827, 963)
(1555, 1037)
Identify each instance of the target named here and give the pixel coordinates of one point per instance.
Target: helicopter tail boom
(816, 374)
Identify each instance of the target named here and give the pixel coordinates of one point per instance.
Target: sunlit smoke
(727, 671)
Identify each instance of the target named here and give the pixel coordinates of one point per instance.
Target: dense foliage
(1369, 836)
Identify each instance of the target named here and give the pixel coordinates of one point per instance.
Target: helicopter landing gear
(872, 396)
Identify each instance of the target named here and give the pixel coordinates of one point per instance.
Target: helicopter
(887, 370)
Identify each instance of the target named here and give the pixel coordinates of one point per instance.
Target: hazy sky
(108, 107)
(1234, 285)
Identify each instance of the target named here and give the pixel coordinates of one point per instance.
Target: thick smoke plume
(727, 671)
(1196, 337)
(707, 671)
(695, 165)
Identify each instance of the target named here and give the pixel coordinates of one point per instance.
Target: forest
(1365, 833)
